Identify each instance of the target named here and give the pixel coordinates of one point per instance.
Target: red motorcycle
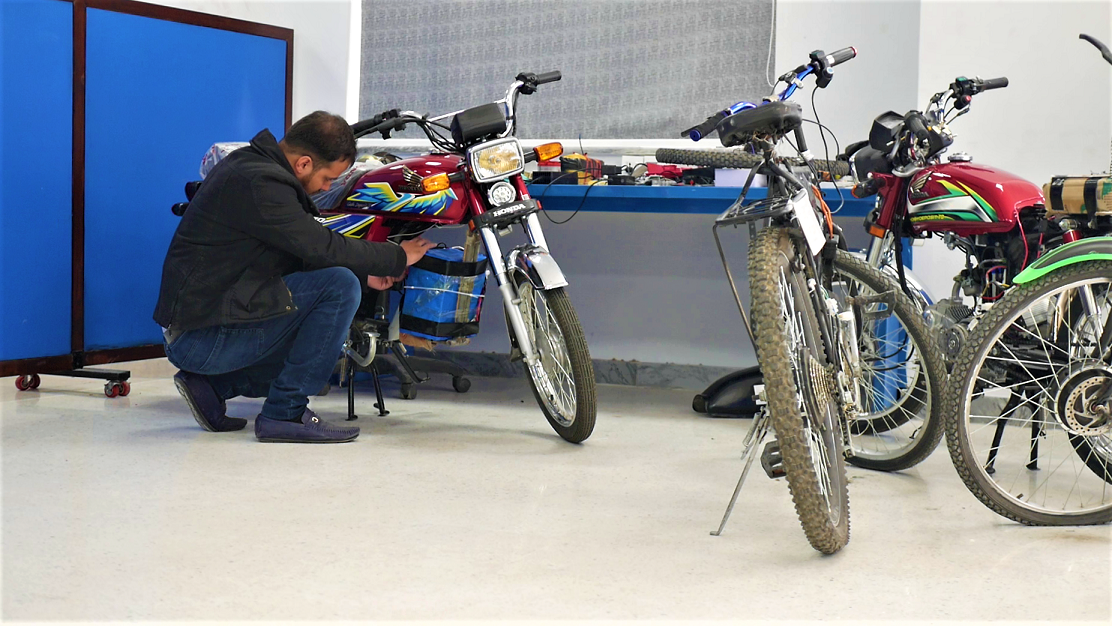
(471, 178)
(996, 218)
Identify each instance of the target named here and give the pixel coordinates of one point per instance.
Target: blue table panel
(36, 201)
(671, 199)
(158, 95)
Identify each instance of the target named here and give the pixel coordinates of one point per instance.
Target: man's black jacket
(250, 224)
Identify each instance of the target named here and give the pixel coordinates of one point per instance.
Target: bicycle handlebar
(841, 56)
(819, 65)
(696, 133)
(1104, 52)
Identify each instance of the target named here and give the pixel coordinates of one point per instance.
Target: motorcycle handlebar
(914, 122)
(549, 77)
(994, 83)
(529, 81)
(361, 128)
(702, 130)
(843, 55)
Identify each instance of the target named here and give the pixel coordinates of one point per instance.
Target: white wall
(1055, 116)
(321, 44)
(883, 76)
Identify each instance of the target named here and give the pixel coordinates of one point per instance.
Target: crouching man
(257, 296)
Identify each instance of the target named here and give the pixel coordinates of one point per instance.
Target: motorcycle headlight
(501, 193)
(496, 159)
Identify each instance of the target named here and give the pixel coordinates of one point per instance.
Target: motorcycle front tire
(562, 313)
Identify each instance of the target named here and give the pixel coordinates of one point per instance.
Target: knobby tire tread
(781, 394)
(736, 159)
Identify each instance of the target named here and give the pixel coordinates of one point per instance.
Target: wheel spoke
(1030, 373)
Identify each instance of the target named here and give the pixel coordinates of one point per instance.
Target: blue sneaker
(311, 429)
(208, 409)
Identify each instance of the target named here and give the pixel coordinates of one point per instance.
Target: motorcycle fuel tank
(967, 199)
(394, 191)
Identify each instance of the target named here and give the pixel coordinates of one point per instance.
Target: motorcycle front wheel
(900, 422)
(563, 378)
(799, 389)
(1025, 428)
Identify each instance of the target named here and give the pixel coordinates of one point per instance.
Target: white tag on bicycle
(808, 222)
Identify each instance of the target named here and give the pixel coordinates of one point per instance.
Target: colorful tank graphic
(355, 226)
(967, 199)
(382, 197)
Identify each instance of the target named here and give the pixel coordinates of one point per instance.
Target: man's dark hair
(325, 137)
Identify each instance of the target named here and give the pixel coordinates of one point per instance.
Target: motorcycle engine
(948, 321)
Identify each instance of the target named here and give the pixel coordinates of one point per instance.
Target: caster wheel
(125, 387)
(409, 391)
(111, 390)
(27, 382)
(461, 384)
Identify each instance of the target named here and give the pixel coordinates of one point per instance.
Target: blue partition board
(36, 149)
(158, 94)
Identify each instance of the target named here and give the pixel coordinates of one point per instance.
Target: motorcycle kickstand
(757, 434)
(349, 370)
(381, 404)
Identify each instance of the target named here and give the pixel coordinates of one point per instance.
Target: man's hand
(381, 283)
(415, 249)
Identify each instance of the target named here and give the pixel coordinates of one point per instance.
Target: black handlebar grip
(994, 83)
(843, 55)
(696, 133)
(191, 189)
(360, 127)
(1104, 52)
(549, 77)
(915, 124)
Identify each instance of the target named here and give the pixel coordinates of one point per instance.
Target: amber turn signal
(548, 151)
(436, 182)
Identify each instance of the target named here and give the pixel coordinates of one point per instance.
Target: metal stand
(1014, 401)
(117, 380)
(349, 374)
(380, 404)
(753, 440)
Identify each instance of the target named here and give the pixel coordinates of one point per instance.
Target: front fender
(1091, 249)
(537, 265)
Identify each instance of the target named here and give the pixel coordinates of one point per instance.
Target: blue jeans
(284, 359)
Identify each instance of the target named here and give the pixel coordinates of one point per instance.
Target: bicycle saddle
(774, 118)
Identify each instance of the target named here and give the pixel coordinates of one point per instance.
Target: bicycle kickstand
(757, 434)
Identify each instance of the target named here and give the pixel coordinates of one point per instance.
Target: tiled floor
(469, 507)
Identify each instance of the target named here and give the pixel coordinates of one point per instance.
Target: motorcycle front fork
(510, 297)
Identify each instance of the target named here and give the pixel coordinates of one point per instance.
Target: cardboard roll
(1078, 195)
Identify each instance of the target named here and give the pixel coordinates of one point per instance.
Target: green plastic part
(1063, 256)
